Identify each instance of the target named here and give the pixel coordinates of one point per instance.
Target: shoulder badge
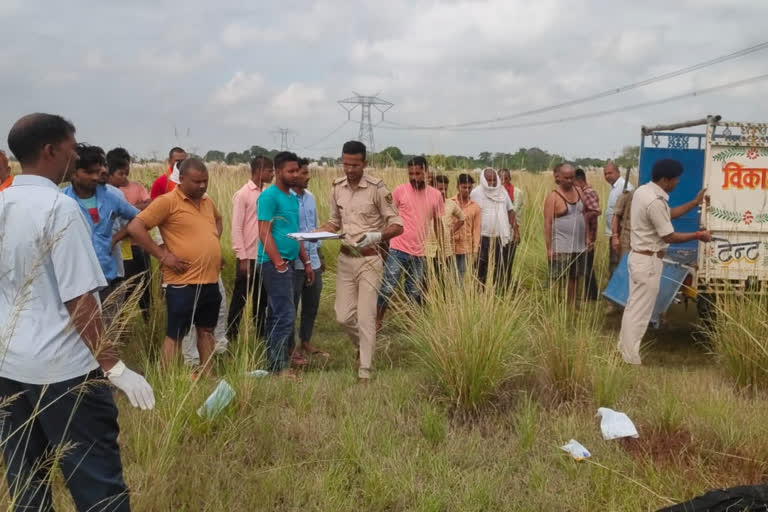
(374, 181)
(388, 198)
(339, 180)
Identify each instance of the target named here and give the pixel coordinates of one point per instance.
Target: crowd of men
(66, 252)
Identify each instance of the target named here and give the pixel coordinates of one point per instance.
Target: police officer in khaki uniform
(651, 234)
(361, 207)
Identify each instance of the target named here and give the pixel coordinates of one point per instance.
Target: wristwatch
(116, 370)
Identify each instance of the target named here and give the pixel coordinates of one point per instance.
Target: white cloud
(242, 87)
(297, 100)
(238, 35)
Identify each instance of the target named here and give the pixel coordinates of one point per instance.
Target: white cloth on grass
(46, 259)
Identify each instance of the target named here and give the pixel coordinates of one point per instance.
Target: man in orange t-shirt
(163, 184)
(5, 172)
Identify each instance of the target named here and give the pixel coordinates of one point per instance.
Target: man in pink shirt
(245, 239)
(418, 205)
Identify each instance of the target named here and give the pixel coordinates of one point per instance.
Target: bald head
(611, 172)
(565, 173)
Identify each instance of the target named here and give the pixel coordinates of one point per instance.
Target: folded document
(315, 236)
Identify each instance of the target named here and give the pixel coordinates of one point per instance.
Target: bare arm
(265, 237)
(679, 238)
(681, 210)
(219, 226)
(86, 317)
(138, 232)
(391, 231)
(549, 215)
(120, 235)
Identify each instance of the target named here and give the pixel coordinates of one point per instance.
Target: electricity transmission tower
(284, 134)
(365, 103)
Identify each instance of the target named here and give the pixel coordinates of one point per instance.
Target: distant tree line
(531, 159)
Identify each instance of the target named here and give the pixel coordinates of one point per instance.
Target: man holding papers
(362, 207)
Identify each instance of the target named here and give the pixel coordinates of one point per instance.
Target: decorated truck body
(731, 160)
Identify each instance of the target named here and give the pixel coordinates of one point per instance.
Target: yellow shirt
(190, 233)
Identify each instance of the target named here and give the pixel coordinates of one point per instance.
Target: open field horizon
(404, 442)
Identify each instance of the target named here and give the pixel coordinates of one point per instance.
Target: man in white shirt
(615, 180)
(498, 226)
(53, 355)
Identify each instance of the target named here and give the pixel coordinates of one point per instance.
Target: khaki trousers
(644, 282)
(357, 289)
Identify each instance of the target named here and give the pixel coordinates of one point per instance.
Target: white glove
(371, 238)
(135, 386)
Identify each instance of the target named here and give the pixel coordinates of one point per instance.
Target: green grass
(530, 371)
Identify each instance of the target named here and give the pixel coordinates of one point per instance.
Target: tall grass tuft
(572, 355)
(739, 339)
(469, 340)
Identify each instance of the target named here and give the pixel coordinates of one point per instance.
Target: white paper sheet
(314, 237)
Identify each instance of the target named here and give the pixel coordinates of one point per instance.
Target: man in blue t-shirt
(102, 209)
(278, 215)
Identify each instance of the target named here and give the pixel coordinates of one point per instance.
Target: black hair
(303, 162)
(666, 168)
(442, 178)
(90, 155)
(33, 132)
(173, 150)
(466, 179)
(580, 175)
(259, 162)
(284, 157)
(418, 161)
(118, 158)
(192, 163)
(353, 147)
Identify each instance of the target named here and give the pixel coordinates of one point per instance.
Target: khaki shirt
(651, 220)
(362, 210)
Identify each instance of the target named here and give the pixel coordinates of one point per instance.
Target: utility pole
(365, 103)
(284, 133)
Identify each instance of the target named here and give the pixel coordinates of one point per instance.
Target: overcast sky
(224, 75)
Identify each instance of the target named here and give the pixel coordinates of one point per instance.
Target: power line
(599, 113)
(599, 95)
(329, 135)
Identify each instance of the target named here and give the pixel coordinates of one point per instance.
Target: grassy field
(472, 397)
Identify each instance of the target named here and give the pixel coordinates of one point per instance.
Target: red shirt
(162, 185)
(510, 191)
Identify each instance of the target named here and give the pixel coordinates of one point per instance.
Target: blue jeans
(42, 419)
(461, 265)
(281, 315)
(397, 263)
